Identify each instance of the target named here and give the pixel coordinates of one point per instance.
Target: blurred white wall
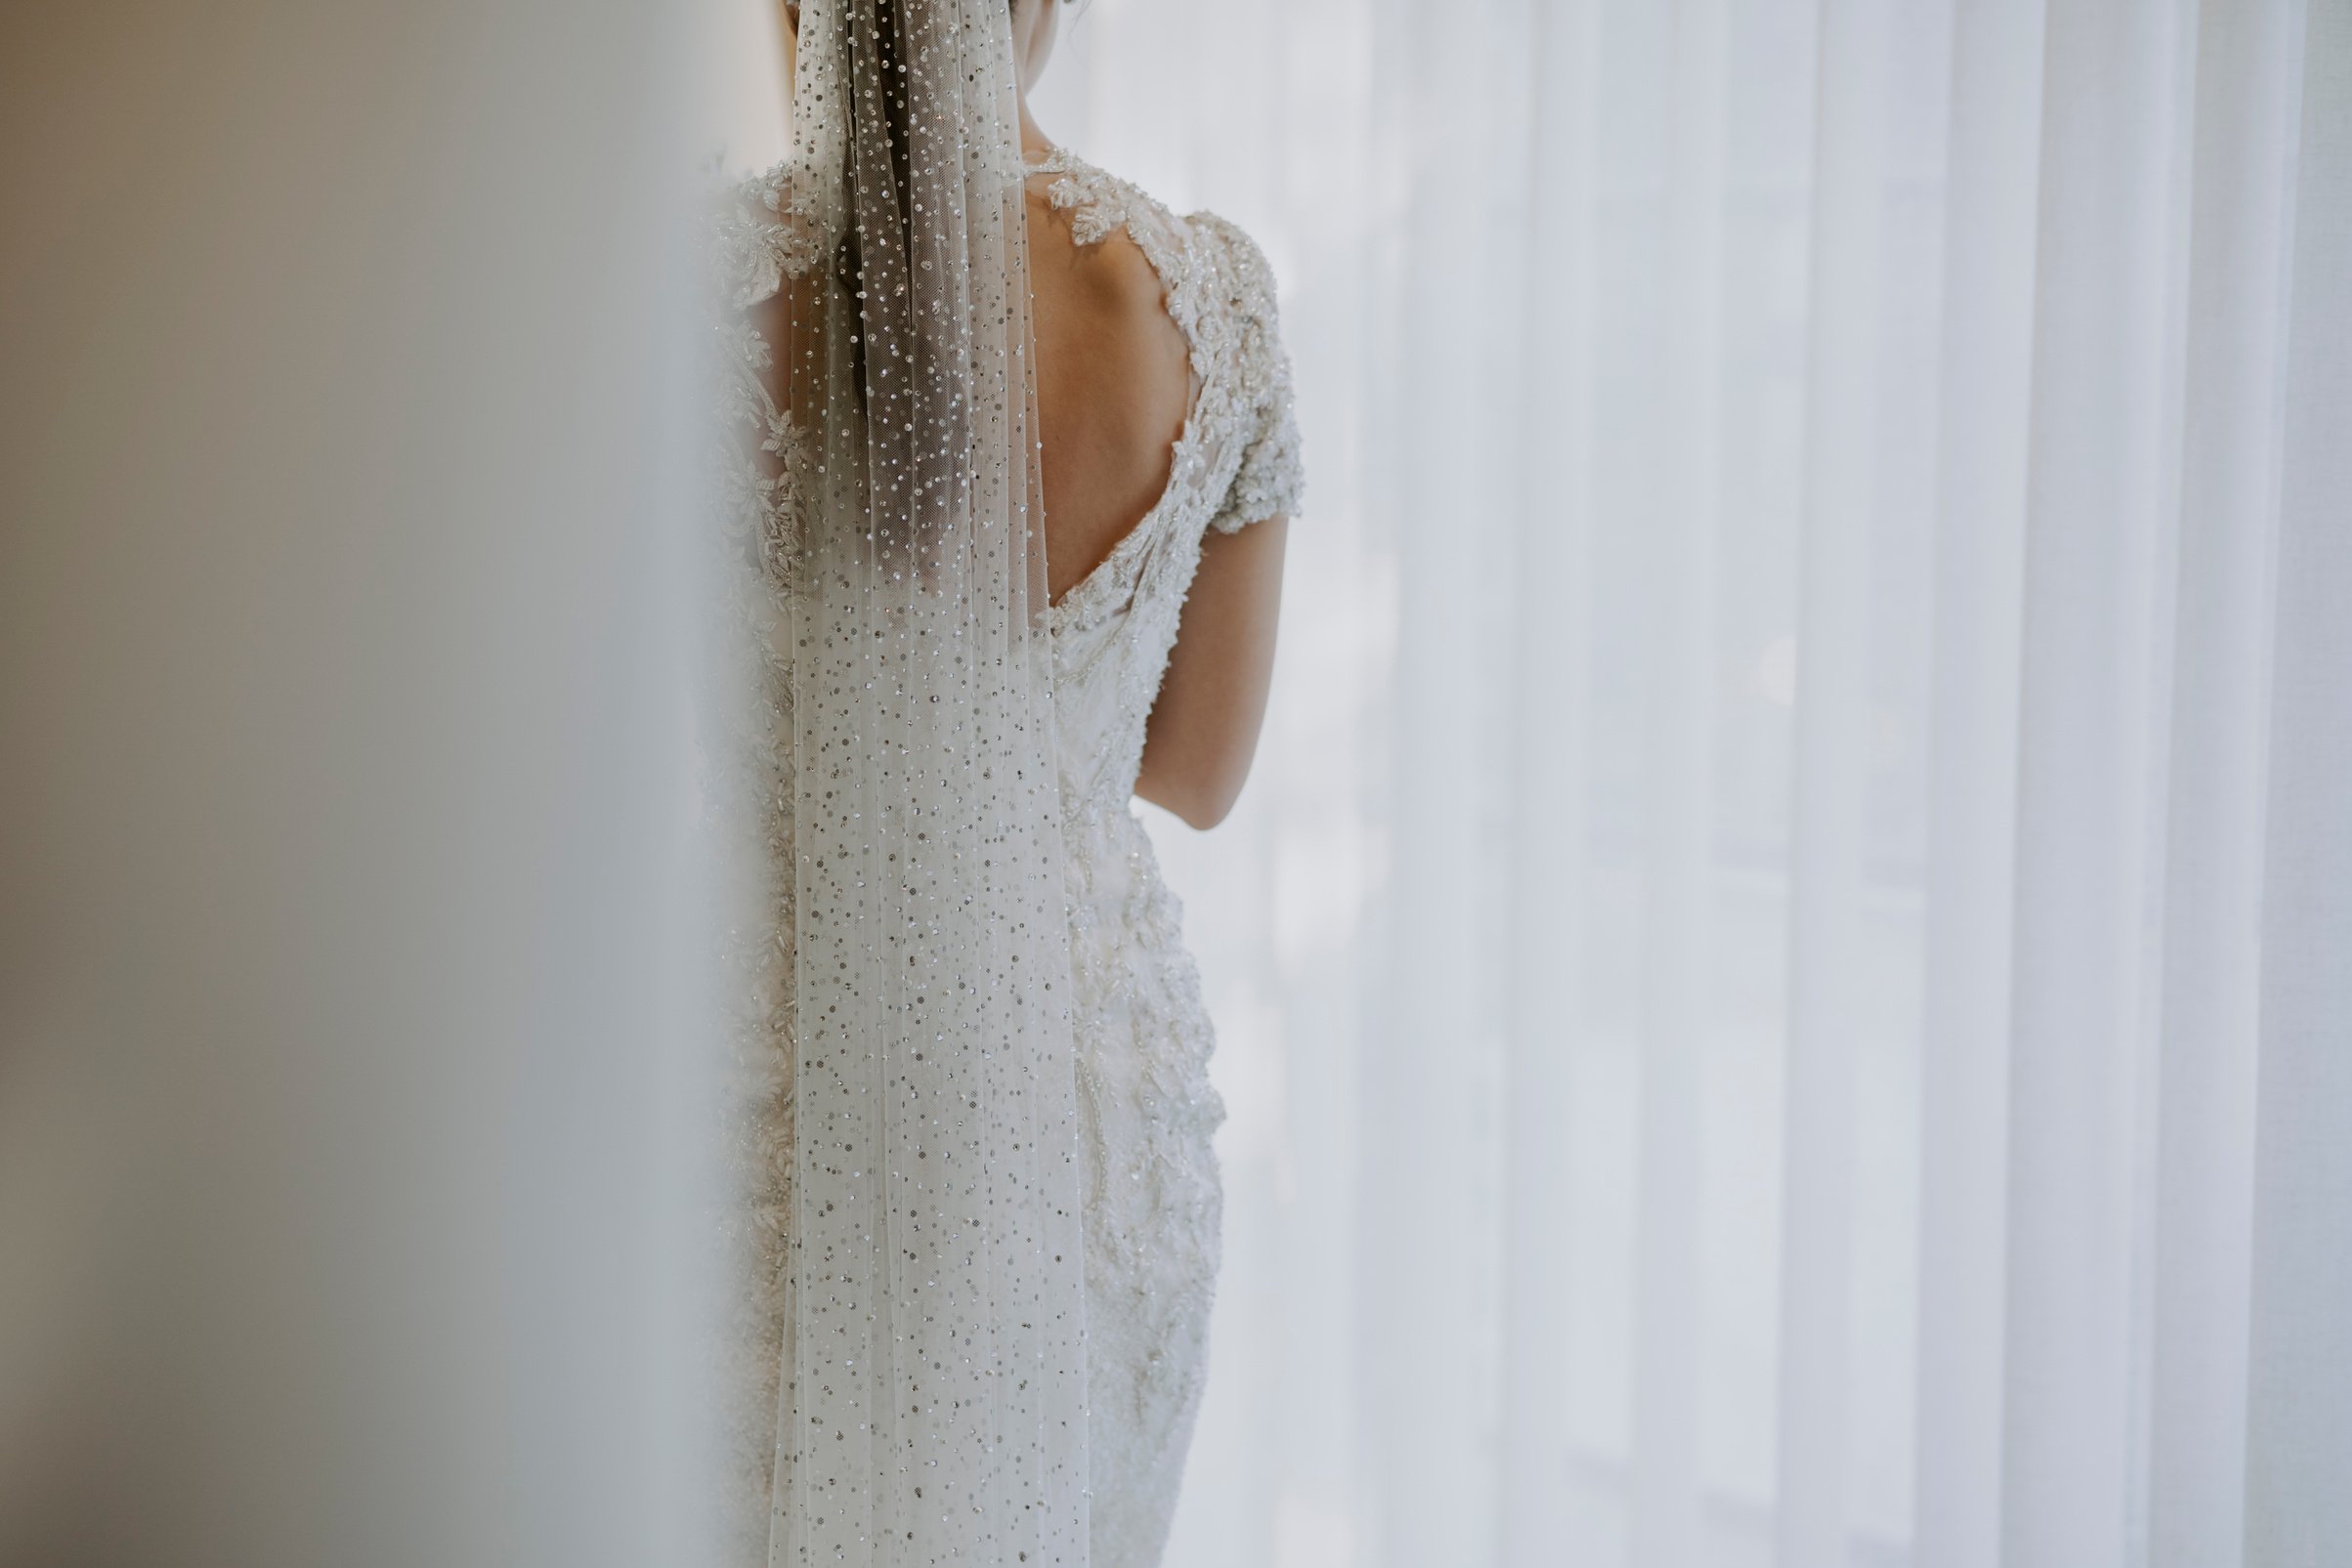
(345, 431)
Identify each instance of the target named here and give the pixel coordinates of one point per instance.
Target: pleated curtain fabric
(1782, 979)
(2300, 1341)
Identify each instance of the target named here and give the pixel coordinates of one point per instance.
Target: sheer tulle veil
(912, 1338)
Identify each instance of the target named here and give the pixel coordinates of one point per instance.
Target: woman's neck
(1033, 142)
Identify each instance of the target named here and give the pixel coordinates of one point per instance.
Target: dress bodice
(1236, 462)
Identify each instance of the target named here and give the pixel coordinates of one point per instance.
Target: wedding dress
(1148, 1111)
(971, 1194)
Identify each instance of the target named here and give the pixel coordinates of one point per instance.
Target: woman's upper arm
(1204, 725)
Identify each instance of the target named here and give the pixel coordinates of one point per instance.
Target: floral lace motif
(1153, 1199)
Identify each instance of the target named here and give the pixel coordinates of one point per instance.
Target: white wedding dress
(1152, 1196)
(839, 1221)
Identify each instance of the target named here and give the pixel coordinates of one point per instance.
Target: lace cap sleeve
(1270, 481)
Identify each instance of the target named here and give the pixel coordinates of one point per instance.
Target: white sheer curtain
(1784, 981)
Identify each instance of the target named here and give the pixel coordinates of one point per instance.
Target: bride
(1024, 451)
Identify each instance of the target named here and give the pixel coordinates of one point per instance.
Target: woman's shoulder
(1218, 276)
(1103, 201)
(1244, 278)
(1098, 202)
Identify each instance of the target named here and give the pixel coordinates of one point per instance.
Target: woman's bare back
(1114, 382)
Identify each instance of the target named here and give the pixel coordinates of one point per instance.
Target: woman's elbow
(1199, 797)
(1207, 809)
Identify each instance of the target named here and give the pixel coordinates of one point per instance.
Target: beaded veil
(910, 1156)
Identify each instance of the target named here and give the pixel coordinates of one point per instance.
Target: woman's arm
(1204, 724)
